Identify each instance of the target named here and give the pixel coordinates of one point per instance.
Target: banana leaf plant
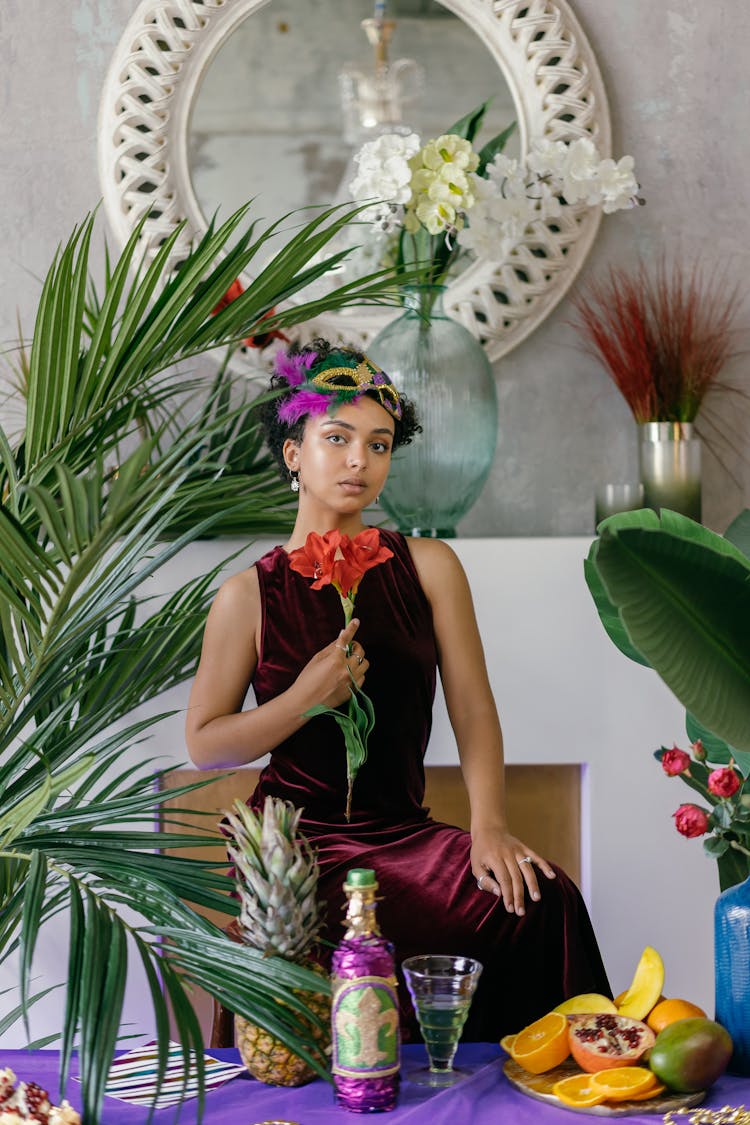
(675, 596)
(102, 490)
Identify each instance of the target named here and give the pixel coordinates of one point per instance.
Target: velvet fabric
(430, 900)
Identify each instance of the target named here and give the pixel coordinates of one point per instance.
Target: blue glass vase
(445, 372)
(732, 963)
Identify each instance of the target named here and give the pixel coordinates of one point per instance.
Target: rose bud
(723, 782)
(691, 821)
(699, 751)
(675, 762)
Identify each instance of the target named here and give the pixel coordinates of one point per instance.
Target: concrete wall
(679, 97)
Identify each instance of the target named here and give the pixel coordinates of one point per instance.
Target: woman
(483, 894)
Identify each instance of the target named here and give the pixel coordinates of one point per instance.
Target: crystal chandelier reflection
(377, 95)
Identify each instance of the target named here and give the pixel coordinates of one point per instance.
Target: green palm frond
(117, 471)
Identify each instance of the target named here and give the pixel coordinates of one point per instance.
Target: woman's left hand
(505, 866)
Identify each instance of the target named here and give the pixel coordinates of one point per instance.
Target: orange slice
(543, 1044)
(621, 1083)
(507, 1042)
(652, 1092)
(577, 1091)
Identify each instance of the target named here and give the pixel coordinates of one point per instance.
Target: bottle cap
(361, 877)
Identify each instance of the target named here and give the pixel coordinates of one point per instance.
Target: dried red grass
(663, 337)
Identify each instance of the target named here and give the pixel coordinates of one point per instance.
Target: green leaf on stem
(469, 125)
(497, 145)
(715, 846)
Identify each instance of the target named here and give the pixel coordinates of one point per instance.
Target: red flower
(675, 762)
(260, 339)
(691, 821)
(723, 782)
(316, 558)
(232, 293)
(361, 554)
(335, 559)
(699, 751)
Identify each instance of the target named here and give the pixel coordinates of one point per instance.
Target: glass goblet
(441, 989)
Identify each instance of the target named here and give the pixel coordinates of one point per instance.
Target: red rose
(699, 751)
(723, 782)
(691, 821)
(675, 762)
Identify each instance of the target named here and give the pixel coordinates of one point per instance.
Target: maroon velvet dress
(430, 900)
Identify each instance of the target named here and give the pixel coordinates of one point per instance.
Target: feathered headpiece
(339, 377)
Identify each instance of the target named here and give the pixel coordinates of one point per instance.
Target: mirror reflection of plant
(675, 596)
(81, 645)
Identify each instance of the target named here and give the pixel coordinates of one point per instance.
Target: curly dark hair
(277, 432)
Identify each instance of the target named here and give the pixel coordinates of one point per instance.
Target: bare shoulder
(437, 565)
(238, 597)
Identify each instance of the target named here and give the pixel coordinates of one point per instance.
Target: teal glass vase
(445, 372)
(732, 968)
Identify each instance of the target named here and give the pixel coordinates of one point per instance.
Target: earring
(376, 500)
(294, 480)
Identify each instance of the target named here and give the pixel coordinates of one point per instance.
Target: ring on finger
(480, 880)
(360, 658)
(525, 859)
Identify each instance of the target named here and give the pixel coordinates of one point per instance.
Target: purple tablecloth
(484, 1097)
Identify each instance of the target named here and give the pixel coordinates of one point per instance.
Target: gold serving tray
(539, 1086)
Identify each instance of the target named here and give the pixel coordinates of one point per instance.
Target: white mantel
(565, 694)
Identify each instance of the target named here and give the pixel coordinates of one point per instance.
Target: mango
(691, 1054)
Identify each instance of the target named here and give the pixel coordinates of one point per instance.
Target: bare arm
(475, 722)
(218, 732)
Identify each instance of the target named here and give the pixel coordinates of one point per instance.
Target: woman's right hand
(326, 677)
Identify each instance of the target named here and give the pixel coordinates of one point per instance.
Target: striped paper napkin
(133, 1076)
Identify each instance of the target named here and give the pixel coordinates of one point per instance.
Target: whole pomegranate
(603, 1041)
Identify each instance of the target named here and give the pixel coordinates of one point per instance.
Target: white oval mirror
(207, 104)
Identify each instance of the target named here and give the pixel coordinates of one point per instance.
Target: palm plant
(99, 493)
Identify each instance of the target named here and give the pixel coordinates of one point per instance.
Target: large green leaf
(683, 595)
(738, 532)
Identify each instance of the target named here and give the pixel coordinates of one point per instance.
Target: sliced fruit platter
(638, 1053)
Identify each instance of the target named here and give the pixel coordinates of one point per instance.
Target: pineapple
(277, 879)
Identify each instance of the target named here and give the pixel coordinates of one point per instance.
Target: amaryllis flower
(691, 821)
(315, 558)
(675, 762)
(723, 782)
(336, 560)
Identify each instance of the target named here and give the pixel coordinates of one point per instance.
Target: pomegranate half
(603, 1041)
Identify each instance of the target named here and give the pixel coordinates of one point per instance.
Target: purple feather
(303, 402)
(293, 368)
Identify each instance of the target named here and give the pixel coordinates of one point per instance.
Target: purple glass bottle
(364, 1013)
